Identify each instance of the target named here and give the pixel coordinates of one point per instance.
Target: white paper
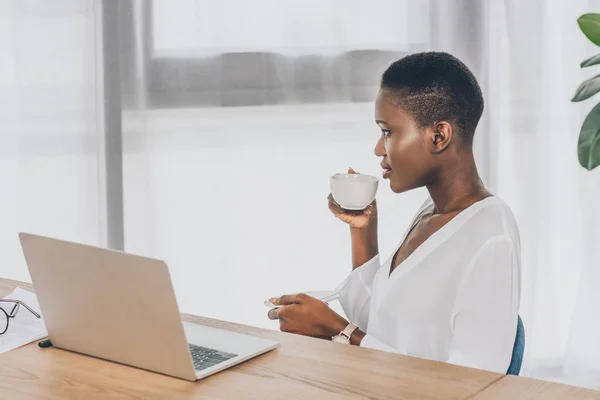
(25, 327)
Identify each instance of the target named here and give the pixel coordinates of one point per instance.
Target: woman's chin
(399, 187)
(396, 188)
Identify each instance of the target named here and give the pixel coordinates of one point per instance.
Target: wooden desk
(302, 368)
(512, 387)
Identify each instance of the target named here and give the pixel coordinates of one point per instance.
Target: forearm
(365, 244)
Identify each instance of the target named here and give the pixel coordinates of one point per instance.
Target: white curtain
(196, 27)
(232, 191)
(527, 56)
(234, 197)
(48, 132)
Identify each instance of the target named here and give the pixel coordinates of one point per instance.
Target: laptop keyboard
(205, 358)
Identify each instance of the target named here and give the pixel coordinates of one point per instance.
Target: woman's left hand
(306, 315)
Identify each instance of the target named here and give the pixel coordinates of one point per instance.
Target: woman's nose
(380, 148)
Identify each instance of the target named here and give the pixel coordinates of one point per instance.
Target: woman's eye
(386, 132)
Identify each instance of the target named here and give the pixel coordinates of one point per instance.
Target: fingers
(284, 302)
(334, 207)
(288, 299)
(273, 313)
(332, 200)
(351, 171)
(337, 209)
(280, 313)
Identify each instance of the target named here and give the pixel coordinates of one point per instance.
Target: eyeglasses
(4, 321)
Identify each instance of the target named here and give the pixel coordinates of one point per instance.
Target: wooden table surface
(301, 368)
(513, 387)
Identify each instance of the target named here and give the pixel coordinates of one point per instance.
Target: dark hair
(436, 86)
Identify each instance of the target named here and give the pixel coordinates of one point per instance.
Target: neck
(457, 188)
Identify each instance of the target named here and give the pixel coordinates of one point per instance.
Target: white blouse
(454, 299)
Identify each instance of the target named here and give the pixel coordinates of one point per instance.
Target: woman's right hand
(356, 219)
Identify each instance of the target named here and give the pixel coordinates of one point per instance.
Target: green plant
(588, 146)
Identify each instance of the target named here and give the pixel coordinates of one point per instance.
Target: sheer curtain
(189, 27)
(48, 126)
(527, 57)
(235, 115)
(232, 126)
(239, 115)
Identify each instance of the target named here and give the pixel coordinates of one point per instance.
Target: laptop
(121, 307)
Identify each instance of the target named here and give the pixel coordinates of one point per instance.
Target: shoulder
(495, 233)
(490, 215)
(493, 218)
(486, 222)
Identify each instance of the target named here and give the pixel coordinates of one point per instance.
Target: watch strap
(347, 332)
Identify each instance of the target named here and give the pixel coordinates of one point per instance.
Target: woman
(450, 292)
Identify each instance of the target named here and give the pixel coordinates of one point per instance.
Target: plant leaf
(587, 89)
(588, 148)
(590, 26)
(591, 61)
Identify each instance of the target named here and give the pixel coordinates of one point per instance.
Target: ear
(439, 136)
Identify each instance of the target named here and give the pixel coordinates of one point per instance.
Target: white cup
(353, 191)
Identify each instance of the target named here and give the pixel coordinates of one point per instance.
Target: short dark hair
(436, 86)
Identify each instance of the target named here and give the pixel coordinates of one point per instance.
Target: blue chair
(518, 349)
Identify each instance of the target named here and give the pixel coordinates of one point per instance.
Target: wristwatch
(344, 336)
